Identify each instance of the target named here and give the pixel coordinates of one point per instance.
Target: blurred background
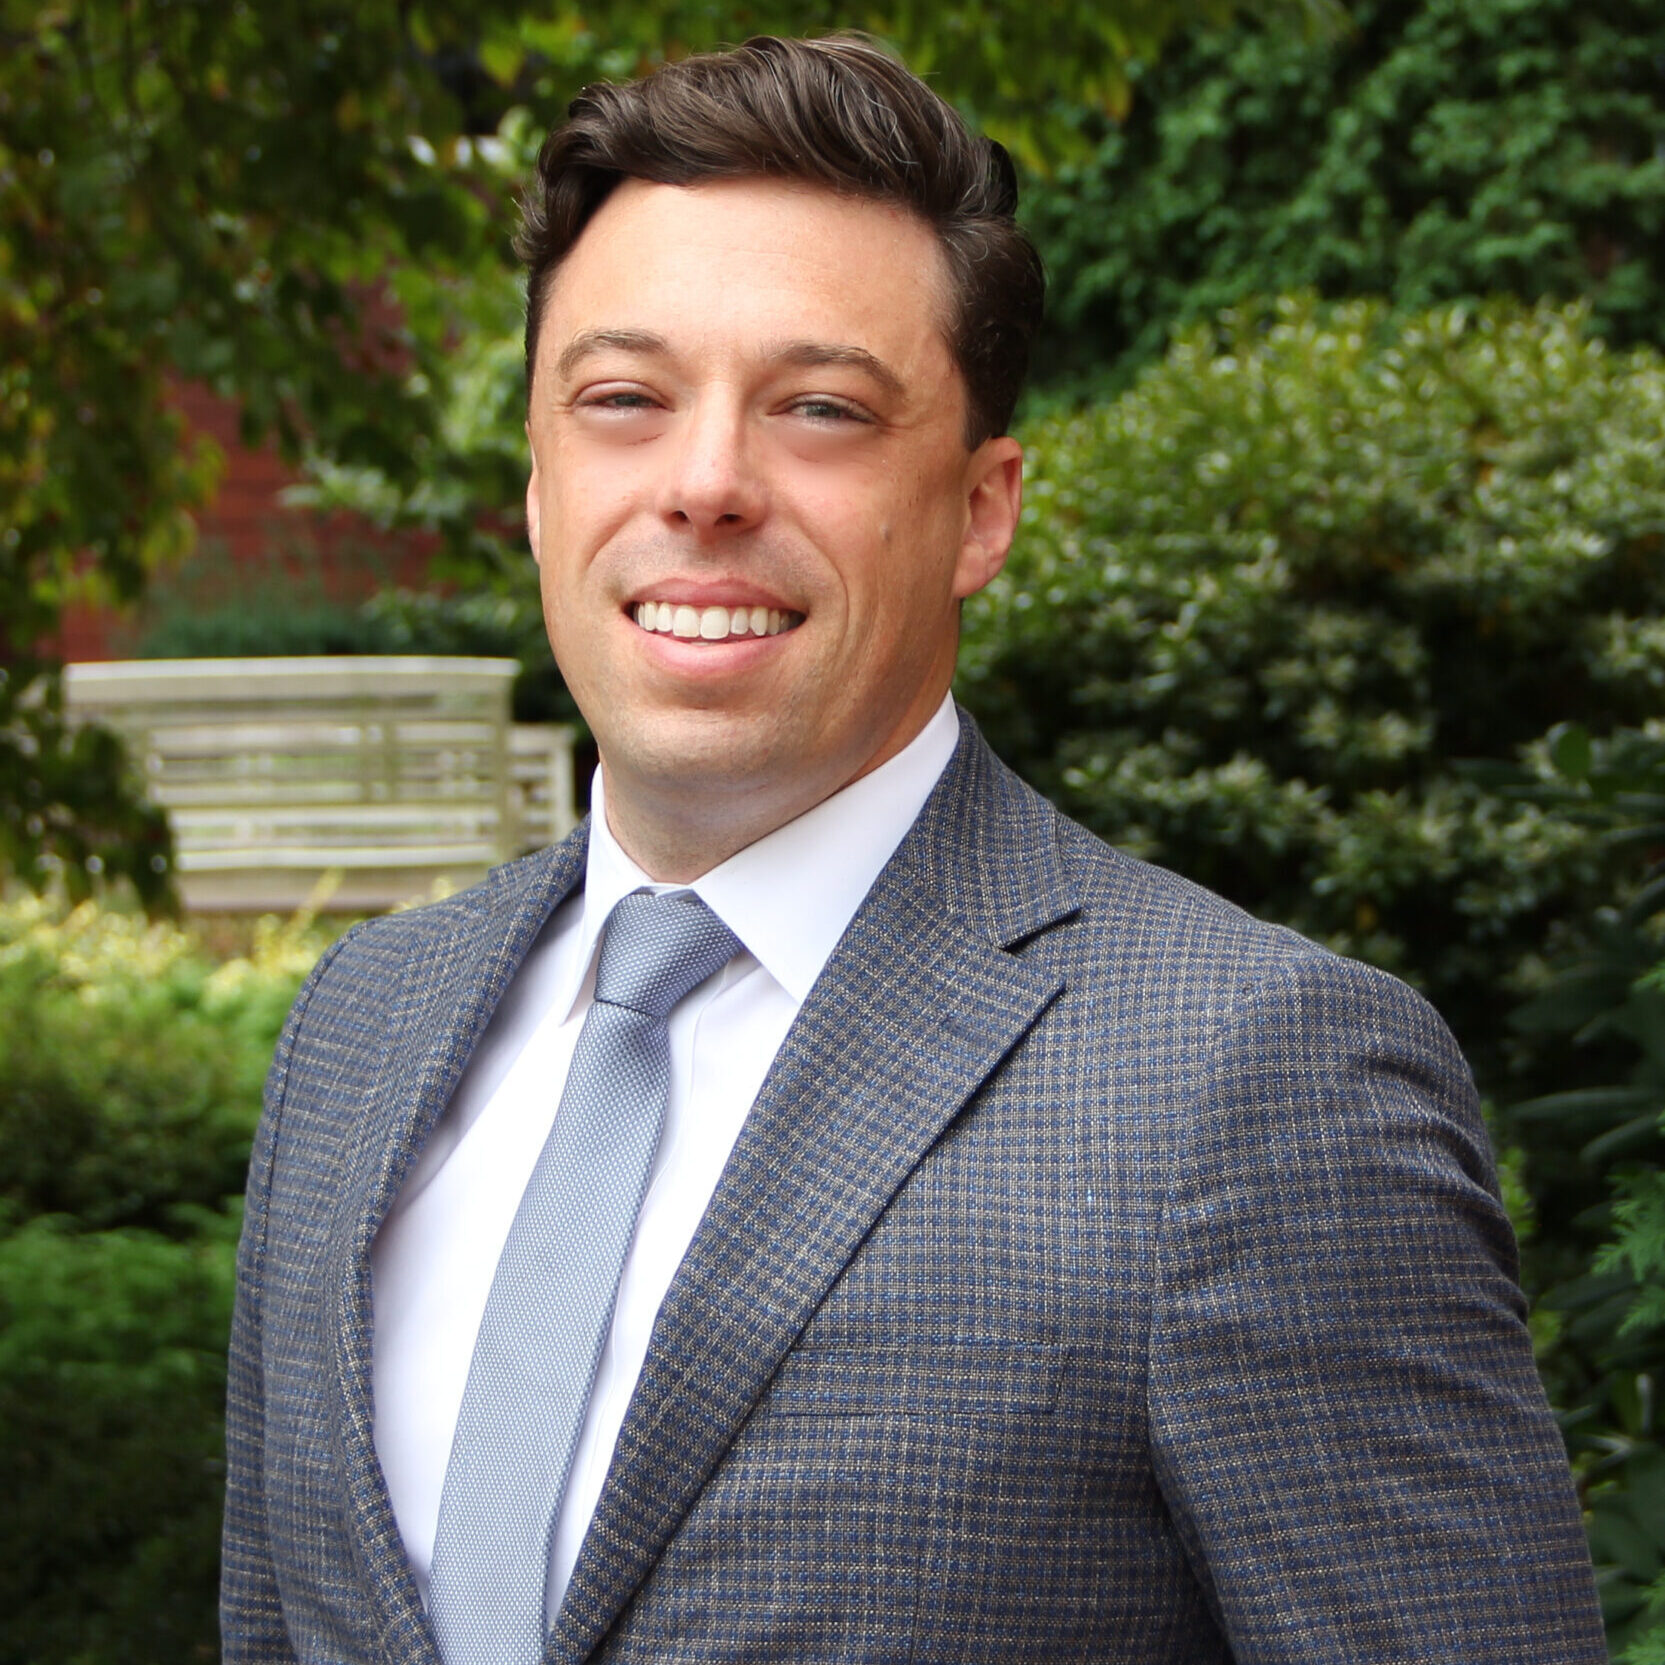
(1338, 589)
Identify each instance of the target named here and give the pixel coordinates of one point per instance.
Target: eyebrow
(812, 354)
(595, 341)
(799, 354)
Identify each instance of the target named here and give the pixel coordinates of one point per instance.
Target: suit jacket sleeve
(1347, 1421)
(252, 1629)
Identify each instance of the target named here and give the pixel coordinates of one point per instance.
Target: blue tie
(551, 1302)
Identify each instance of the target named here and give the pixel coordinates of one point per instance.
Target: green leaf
(502, 57)
(1570, 750)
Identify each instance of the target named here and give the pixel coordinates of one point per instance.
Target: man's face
(751, 502)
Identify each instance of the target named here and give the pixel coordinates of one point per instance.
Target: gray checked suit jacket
(1100, 1275)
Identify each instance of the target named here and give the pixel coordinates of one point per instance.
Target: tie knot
(654, 949)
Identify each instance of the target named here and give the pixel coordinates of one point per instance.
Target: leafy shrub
(1600, 1143)
(112, 1381)
(1431, 149)
(130, 1071)
(263, 624)
(126, 1090)
(1263, 604)
(504, 621)
(72, 813)
(304, 595)
(1628, 1512)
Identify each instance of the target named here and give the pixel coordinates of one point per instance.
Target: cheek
(590, 492)
(574, 544)
(866, 518)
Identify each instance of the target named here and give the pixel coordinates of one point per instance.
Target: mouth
(712, 624)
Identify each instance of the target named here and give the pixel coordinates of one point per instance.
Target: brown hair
(838, 113)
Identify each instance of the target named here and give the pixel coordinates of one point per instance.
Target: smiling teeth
(712, 624)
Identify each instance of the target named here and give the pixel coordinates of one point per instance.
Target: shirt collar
(790, 896)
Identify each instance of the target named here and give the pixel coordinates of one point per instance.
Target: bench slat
(395, 773)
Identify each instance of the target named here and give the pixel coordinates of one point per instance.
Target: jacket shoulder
(432, 934)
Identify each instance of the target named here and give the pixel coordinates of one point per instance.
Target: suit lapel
(859, 1092)
(451, 985)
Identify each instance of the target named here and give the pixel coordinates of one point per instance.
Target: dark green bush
(72, 814)
(119, 1103)
(302, 596)
(272, 619)
(1263, 605)
(130, 1071)
(112, 1381)
(1597, 1148)
(1617, 1328)
(1432, 149)
(264, 624)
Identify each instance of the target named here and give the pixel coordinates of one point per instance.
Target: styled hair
(839, 113)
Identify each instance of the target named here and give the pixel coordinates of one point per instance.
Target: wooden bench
(390, 775)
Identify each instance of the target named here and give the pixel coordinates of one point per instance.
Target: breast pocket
(873, 1490)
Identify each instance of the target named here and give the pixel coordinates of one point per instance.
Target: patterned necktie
(551, 1300)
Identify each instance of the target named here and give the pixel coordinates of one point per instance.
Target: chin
(699, 760)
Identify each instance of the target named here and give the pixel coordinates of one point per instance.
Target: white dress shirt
(788, 898)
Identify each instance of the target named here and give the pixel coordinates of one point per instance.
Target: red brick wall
(248, 529)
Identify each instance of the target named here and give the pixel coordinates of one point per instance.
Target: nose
(712, 484)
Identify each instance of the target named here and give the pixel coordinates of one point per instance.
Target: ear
(994, 499)
(533, 508)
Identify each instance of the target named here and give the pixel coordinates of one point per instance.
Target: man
(981, 1246)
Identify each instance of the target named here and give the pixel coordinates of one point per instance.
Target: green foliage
(1262, 604)
(468, 493)
(503, 622)
(1009, 63)
(130, 1070)
(69, 813)
(127, 1091)
(1639, 1246)
(1436, 149)
(1648, 1648)
(112, 1378)
(259, 627)
(1600, 1145)
(1604, 991)
(214, 608)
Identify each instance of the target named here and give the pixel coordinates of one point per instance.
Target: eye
(616, 399)
(819, 408)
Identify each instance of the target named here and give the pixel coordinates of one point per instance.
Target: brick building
(252, 549)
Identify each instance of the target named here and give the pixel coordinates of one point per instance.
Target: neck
(678, 830)
(690, 835)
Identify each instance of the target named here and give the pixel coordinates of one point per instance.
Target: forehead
(748, 261)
